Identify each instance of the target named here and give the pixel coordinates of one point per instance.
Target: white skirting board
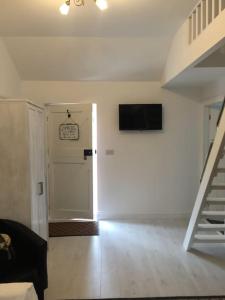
(115, 216)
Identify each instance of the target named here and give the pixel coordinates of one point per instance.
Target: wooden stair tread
(204, 238)
(215, 200)
(217, 187)
(220, 170)
(211, 227)
(213, 213)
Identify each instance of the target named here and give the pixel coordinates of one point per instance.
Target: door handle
(87, 152)
(41, 188)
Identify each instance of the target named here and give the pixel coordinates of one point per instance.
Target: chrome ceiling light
(65, 7)
(102, 4)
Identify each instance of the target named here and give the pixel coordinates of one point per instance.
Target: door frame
(207, 105)
(40, 110)
(94, 157)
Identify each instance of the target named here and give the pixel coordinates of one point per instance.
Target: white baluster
(194, 24)
(207, 12)
(213, 9)
(199, 19)
(220, 6)
(203, 16)
(190, 30)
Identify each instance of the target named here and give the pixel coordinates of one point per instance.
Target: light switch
(109, 152)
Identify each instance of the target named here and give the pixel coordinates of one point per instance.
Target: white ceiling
(198, 77)
(129, 41)
(71, 58)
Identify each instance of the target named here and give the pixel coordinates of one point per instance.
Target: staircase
(201, 229)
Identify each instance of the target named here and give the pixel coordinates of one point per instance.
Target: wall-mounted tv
(140, 116)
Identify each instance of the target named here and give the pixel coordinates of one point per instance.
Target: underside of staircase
(207, 220)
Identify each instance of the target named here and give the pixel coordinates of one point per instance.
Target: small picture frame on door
(69, 131)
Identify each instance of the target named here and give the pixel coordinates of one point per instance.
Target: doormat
(73, 228)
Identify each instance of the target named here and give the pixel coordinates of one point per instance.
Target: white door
(213, 115)
(37, 167)
(70, 149)
(213, 112)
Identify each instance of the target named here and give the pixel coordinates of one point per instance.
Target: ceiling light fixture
(65, 7)
(102, 4)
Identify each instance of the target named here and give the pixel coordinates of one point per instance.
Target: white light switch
(109, 152)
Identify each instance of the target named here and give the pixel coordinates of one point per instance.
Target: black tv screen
(140, 116)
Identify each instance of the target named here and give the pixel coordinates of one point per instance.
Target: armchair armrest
(28, 246)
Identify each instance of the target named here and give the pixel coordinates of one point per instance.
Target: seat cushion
(19, 273)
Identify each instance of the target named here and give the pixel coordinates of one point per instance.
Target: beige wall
(150, 173)
(9, 78)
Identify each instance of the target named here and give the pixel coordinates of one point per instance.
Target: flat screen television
(140, 117)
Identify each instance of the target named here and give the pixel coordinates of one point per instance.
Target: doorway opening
(211, 115)
(72, 169)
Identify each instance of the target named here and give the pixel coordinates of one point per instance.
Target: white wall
(213, 91)
(9, 79)
(150, 173)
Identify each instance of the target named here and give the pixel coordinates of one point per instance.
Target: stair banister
(208, 176)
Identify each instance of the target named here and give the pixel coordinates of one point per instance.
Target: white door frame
(94, 143)
(207, 105)
(41, 173)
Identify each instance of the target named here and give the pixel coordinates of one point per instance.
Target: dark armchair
(30, 261)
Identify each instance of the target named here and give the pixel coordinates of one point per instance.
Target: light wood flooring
(134, 259)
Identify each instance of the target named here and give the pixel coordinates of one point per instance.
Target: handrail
(206, 184)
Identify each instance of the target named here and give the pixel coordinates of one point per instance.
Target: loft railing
(202, 15)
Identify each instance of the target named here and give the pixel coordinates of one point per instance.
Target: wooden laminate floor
(134, 259)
